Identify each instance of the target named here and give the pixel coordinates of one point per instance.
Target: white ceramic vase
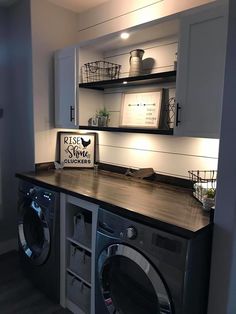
(135, 62)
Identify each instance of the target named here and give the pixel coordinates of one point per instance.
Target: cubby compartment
(80, 262)
(79, 226)
(83, 228)
(79, 293)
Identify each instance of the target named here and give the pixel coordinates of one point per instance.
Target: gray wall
(22, 63)
(5, 130)
(223, 270)
(17, 140)
(20, 52)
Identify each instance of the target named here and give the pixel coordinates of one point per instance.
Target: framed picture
(141, 110)
(77, 150)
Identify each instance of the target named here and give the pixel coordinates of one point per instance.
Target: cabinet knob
(177, 121)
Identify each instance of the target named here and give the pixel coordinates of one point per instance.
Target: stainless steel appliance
(141, 270)
(39, 237)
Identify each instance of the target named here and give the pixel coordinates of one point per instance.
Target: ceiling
(73, 5)
(149, 32)
(77, 5)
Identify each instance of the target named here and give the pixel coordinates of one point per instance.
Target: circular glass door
(130, 284)
(33, 231)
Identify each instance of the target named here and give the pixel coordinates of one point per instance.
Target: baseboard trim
(7, 246)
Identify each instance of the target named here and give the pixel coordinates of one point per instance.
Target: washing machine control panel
(31, 191)
(131, 233)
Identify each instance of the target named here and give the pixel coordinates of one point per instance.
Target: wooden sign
(77, 150)
(141, 109)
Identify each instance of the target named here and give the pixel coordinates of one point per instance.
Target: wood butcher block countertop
(168, 207)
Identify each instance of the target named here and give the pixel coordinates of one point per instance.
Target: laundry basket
(203, 181)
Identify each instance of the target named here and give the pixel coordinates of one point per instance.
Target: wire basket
(203, 180)
(100, 71)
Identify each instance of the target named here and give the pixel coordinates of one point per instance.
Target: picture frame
(141, 110)
(77, 150)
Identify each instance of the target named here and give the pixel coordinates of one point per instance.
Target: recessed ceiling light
(124, 35)
(125, 82)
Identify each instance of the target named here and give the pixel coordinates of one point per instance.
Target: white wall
(52, 28)
(167, 155)
(161, 52)
(116, 15)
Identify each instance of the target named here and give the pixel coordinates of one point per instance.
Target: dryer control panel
(167, 247)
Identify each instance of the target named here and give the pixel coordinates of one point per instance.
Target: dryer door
(130, 284)
(33, 231)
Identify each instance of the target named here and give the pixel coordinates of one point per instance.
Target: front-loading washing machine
(39, 237)
(143, 270)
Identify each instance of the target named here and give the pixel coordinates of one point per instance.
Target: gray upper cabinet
(200, 74)
(66, 114)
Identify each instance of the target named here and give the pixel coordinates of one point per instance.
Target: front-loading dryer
(39, 237)
(140, 270)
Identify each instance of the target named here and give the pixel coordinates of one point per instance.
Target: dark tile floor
(18, 295)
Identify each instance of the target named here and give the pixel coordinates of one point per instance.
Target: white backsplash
(165, 154)
(169, 155)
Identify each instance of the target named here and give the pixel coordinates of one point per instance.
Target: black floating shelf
(128, 130)
(155, 78)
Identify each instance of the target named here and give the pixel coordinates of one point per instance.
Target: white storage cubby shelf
(78, 234)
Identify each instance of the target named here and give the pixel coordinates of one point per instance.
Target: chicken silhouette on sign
(85, 143)
(77, 150)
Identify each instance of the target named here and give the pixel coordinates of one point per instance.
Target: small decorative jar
(208, 203)
(103, 121)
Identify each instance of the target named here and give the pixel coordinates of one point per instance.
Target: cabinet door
(200, 74)
(66, 115)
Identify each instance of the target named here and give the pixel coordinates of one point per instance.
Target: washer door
(33, 232)
(130, 284)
